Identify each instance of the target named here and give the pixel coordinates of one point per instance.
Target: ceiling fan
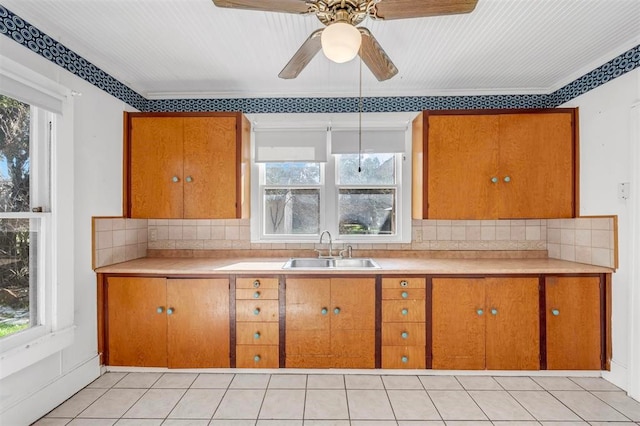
(341, 40)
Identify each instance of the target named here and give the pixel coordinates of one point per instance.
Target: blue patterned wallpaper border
(32, 38)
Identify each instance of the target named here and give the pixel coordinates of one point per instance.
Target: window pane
(18, 248)
(291, 211)
(292, 173)
(14, 155)
(367, 211)
(377, 169)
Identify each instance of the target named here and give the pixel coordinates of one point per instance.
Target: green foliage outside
(14, 197)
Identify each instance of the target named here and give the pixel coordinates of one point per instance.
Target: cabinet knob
(336, 311)
(160, 309)
(403, 283)
(169, 311)
(494, 180)
(404, 294)
(555, 312)
(480, 312)
(404, 335)
(256, 335)
(256, 284)
(405, 311)
(324, 311)
(189, 179)
(175, 179)
(256, 295)
(256, 311)
(256, 358)
(404, 359)
(507, 179)
(494, 312)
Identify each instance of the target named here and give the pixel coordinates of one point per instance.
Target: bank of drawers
(257, 316)
(403, 323)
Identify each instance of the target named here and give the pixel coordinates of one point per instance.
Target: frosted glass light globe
(340, 42)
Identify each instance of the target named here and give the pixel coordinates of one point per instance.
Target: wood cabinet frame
(604, 314)
(243, 156)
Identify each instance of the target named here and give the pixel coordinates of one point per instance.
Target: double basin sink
(330, 263)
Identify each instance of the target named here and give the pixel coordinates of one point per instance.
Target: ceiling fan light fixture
(340, 42)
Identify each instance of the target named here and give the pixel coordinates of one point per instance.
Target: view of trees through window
(15, 233)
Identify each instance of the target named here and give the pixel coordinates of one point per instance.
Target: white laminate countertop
(270, 266)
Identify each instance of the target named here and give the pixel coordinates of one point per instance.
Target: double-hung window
(347, 181)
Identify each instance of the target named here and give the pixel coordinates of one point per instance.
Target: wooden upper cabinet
(495, 165)
(191, 165)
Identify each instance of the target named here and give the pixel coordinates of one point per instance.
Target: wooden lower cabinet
(330, 322)
(574, 340)
(174, 323)
(485, 323)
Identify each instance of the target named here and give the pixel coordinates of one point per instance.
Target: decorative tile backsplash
(584, 240)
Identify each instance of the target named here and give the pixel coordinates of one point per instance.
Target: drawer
(403, 311)
(403, 334)
(403, 294)
(404, 283)
(403, 357)
(257, 311)
(256, 283)
(257, 333)
(257, 356)
(257, 294)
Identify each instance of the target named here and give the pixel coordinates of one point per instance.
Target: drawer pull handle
(404, 294)
(160, 309)
(404, 335)
(256, 358)
(256, 284)
(404, 359)
(324, 311)
(494, 180)
(507, 179)
(403, 283)
(405, 311)
(169, 311)
(494, 312)
(189, 179)
(555, 312)
(480, 312)
(175, 179)
(336, 311)
(256, 335)
(256, 311)
(256, 295)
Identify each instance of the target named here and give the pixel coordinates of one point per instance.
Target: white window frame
(329, 202)
(54, 329)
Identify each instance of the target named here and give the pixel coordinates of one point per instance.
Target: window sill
(27, 354)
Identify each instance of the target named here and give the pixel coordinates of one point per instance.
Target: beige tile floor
(185, 399)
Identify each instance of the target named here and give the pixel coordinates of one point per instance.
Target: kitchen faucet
(330, 244)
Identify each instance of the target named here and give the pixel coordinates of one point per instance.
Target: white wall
(91, 175)
(608, 156)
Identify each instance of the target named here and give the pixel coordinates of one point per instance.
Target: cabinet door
(137, 321)
(536, 157)
(513, 324)
(156, 167)
(352, 312)
(458, 324)
(198, 327)
(573, 323)
(462, 158)
(308, 325)
(210, 167)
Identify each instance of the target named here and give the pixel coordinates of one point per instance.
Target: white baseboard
(617, 376)
(55, 393)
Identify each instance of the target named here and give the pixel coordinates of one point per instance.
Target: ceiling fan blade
(285, 6)
(375, 57)
(303, 56)
(400, 9)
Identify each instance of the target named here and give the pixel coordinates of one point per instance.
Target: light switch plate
(623, 190)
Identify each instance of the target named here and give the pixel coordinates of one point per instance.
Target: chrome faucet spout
(330, 241)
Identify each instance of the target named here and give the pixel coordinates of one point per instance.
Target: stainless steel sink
(330, 263)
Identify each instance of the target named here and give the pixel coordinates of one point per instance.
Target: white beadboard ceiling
(191, 48)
